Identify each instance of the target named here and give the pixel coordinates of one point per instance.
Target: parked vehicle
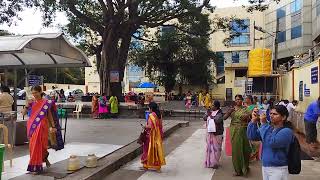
(12, 91)
(22, 94)
(76, 93)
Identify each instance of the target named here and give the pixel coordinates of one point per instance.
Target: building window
(220, 62)
(318, 7)
(295, 6)
(296, 19)
(281, 36)
(281, 12)
(296, 32)
(241, 27)
(235, 57)
(240, 40)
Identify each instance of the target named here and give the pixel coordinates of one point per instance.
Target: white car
(76, 93)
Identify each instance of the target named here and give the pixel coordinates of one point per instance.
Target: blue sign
(35, 80)
(314, 75)
(306, 91)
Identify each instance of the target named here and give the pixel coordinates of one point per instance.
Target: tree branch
(188, 32)
(84, 18)
(104, 7)
(110, 7)
(142, 39)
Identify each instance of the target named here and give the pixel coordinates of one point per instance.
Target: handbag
(143, 137)
(211, 125)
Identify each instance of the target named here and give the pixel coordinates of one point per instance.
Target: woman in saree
(153, 154)
(95, 107)
(241, 150)
(43, 130)
(255, 145)
(207, 101)
(103, 106)
(114, 106)
(214, 135)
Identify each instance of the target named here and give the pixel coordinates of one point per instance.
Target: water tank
(259, 62)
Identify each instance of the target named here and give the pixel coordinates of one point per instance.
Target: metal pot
(91, 161)
(73, 163)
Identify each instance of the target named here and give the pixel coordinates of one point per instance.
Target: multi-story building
(294, 20)
(232, 64)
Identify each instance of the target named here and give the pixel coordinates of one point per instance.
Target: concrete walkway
(184, 163)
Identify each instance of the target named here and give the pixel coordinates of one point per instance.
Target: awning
(40, 51)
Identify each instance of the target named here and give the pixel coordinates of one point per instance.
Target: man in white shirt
(291, 107)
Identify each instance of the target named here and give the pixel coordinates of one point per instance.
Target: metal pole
(26, 78)
(56, 75)
(15, 92)
(254, 34)
(6, 77)
(275, 59)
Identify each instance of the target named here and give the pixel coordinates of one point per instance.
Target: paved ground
(84, 136)
(185, 155)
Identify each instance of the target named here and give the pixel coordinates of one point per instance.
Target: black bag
(294, 157)
(143, 137)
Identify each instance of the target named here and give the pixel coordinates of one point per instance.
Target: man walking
(310, 120)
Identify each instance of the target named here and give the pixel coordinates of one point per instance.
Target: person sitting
(71, 98)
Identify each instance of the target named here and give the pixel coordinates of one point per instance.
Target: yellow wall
(301, 74)
(218, 92)
(285, 88)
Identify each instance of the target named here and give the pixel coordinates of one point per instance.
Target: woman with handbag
(43, 130)
(153, 154)
(214, 138)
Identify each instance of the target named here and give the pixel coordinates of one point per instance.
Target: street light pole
(275, 58)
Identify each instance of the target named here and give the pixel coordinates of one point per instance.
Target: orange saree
(153, 154)
(43, 116)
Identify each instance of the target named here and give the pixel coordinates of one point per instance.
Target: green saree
(240, 145)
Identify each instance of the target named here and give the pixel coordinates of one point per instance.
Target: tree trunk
(114, 57)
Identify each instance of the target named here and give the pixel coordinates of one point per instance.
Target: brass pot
(91, 161)
(73, 163)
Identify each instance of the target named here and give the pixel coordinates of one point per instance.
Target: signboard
(314, 75)
(301, 91)
(114, 76)
(35, 80)
(306, 91)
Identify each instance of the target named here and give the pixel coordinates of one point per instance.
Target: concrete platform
(112, 155)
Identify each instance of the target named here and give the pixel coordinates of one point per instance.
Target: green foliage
(9, 9)
(177, 56)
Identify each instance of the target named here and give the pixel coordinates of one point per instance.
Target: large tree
(175, 56)
(114, 22)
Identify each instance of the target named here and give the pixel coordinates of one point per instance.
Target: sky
(32, 21)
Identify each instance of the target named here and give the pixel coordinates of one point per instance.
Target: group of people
(103, 108)
(198, 100)
(250, 122)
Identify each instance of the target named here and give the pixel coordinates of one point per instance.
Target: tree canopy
(105, 27)
(175, 56)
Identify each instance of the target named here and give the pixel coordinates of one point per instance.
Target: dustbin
(2, 148)
(147, 114)
(62, 113)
